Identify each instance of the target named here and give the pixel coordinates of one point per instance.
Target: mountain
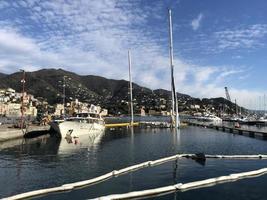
(2, 75)
(108, 93)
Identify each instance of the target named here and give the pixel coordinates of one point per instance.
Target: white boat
(90, 124)
(71, 145)
(211, 118)
(207, 119)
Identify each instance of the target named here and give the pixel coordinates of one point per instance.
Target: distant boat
(90, 124)
(210, 119)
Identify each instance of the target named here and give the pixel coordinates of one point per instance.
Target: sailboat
(174, 110)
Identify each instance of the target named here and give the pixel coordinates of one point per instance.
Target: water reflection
(70, 145)
(176, 134)
(31, 163)
(49, 145)
(34, 146)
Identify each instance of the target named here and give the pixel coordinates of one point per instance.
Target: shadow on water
(41, 145)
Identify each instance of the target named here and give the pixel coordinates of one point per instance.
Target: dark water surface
(32, 164)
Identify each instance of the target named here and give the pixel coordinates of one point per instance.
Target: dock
(234, 130)
(114, 125)
(155, 124)
(144, 124)
(160, 125)
(10, 133)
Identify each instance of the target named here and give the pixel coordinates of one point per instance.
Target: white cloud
(196, 22)
(203, 74)
(3, 4)
(10, 41)
(92, 37)
(248, 37)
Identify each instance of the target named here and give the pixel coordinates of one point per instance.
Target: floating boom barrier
(180, 186)
(121, 125)
(144, 124)
(185, 187)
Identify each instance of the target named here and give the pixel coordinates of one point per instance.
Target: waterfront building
(59, 109)
(195, 106)
(12, 101)
(4, 99)
(143, 112)
(13, 110)
(104, 112)
(31, 111)
(3, 109)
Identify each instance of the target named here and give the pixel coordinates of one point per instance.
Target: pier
(10, 133)
(114, 125)
(234, 130)
(144, 124)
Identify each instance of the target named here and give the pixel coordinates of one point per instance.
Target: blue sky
(216, 43)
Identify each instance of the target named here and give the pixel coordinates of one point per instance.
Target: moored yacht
(90, 124)
(208, 119)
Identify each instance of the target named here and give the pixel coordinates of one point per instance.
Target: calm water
(46, 162)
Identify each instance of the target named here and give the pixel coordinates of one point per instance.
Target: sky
(216, 43)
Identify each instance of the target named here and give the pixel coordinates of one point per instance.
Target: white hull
(208, 120)
(70, 145)
(76, 129)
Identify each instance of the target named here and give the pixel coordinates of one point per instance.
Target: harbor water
(47, 161)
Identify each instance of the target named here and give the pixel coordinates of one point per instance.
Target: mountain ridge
(108, 93)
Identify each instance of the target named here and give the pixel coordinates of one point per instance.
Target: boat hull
(74, 129)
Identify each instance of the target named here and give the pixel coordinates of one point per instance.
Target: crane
(227, 94)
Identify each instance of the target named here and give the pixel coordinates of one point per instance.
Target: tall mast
(22, 98)
(264, 104)
(236, 111)
(174, 109)
(131, 86)
(171, 57)
(64, 95)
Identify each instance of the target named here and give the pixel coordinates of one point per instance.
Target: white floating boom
(71, 186)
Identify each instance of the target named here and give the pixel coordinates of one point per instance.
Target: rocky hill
(2, 75)
(109, 93)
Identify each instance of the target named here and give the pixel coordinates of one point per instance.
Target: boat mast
(174, 110)
(131, 86)
(22, 98)
(64, 95)
(264, 104)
